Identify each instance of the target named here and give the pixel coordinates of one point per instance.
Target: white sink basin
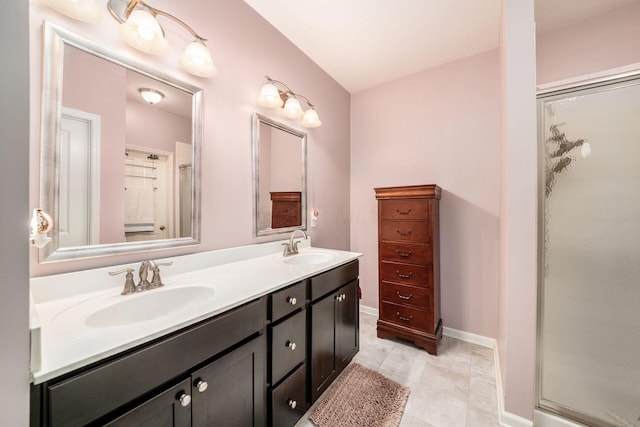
(309, 258)
(147, 305)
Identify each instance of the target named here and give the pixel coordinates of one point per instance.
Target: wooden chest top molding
(407, 192)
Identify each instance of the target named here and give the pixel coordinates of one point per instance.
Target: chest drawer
(411, 317)
(288, 345)
(406, 295)
(407, 274)
(286, 208)
(287, 300)
(404, 209)
(408, 231)
(412, 253)
(288, 400)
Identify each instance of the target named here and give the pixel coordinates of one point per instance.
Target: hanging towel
(139, 214)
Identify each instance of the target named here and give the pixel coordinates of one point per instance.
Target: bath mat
(362, 397)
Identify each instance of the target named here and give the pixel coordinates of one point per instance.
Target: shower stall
(589, 253)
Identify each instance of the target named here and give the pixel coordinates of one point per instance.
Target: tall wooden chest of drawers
(286, 209)
(409, 264)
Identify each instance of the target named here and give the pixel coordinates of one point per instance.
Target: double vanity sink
(84, 330)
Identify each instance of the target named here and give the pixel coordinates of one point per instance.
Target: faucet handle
(156, 281)
(129, 285)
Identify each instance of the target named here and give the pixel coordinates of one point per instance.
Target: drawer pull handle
(292, 403)
(404, 276)
(403, 212)
(291, 345)
(406, 319)
(404, 254)
(404, 296)
(184, 399)
(292, 300)
(403, 233)
(201, 385)
(284, 210)
(341, 297)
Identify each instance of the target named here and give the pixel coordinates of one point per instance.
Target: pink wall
(96, 86)
(607, 41)
(438, 126)
(244, 48)
(151, 127)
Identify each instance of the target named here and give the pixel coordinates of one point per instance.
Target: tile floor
(455, 389)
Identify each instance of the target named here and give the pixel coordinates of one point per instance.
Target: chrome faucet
(291, 248)
(143, 272)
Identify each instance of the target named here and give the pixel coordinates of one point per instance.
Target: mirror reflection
(279, 177)
(119, 149)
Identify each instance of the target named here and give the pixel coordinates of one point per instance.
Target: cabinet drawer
(408, 274)
(286, 208)
(404, 209)
(407, 231)
(413, 253)
(288, 400)
(287, 300)
(288, 345)
(410, 317)
(279, 221)
(87, 396)
(406, 295)
(329, 281)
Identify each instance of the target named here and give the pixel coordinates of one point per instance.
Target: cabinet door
(164, 410)
(235, 394)
(322, 354)
(347, 324)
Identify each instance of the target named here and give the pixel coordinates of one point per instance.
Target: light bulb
(142, 31)
(585, 150)
(197, 60)
(311, 119)
(270, 96)
(292, 108)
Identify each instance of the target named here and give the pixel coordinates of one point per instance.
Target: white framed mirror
(279, 177)
(119, 173)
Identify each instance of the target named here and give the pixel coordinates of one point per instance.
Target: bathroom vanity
(252, 354)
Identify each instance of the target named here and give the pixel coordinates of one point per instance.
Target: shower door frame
(582, 87)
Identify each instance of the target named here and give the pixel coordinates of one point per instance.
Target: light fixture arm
(288, 91)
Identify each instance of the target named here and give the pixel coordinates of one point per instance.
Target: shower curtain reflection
(589, 313)
(185, 200)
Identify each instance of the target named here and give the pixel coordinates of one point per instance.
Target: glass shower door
(589, 290)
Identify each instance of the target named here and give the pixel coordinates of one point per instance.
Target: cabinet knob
(201, 385)
(184, 399)
(292, 300)
(291, 345)
(292, 403)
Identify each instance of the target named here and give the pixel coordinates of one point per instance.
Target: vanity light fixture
(275, 94)
(151, 96)
(82, 10)
(41, 224)
(140, 29)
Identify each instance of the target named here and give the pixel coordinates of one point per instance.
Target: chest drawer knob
(291, 345)
(406, 319)
(404, 276)
(292, 403)
(292, 300)
(407, 212)
(201, 385)
(404, 297)
(404, 254)
(184, 399)
(403, 233)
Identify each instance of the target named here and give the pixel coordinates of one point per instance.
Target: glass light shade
(41, 222)
(270, 96)
(82, 10)
(585, 150)
(311, 119)
(196, 60)
(143, 32)
(151, 96)
(292, 108)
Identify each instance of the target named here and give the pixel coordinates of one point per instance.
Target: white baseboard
(507, 419)
(545, 419)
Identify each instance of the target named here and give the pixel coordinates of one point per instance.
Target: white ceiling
(363, 43)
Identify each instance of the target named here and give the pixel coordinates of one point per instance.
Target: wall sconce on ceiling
(140, 29)
(151, 96)
(276, 94)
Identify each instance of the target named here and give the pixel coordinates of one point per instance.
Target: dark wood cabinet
(286, 209)
(408, 264)
(334, 326)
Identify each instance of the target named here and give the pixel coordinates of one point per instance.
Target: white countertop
(234, 276)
